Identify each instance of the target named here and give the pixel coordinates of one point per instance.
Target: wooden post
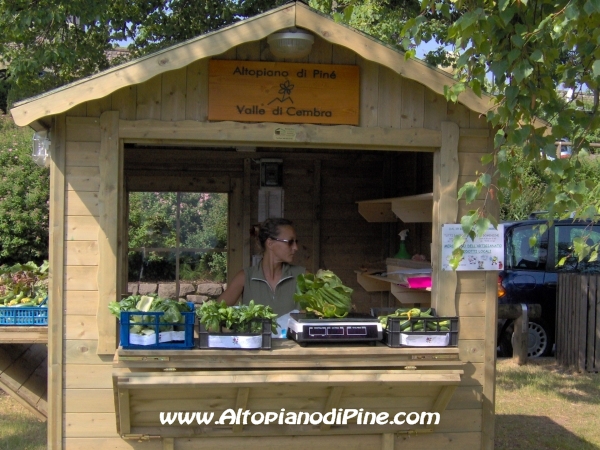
(108, 235)
(56, 283)
(520, 337)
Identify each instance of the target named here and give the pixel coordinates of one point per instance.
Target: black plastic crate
(393, 336)
(237, 340)
(185, 330)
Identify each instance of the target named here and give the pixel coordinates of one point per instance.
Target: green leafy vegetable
(323, 294)
(145, 324)
(216, 316)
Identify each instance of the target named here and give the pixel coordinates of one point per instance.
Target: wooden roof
(296, 14)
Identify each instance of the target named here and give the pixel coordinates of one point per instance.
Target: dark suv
(531, 271)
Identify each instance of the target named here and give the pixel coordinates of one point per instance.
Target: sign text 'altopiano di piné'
(247, 91)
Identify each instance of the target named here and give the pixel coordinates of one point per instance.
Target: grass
(543, 406)
(539, 406)
(19, 429)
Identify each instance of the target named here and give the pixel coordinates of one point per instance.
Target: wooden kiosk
(384, 144)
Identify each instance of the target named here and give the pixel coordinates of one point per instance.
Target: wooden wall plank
(124, 101)
(83, 129)
(321, 52)
(82, 179)
(81, 228)
(56, 286)
(148, 99)
(84, 351)
(369, 92)
(342, 55)
(389, 99)
(173, 90)
(472, 328)
(82, 154)
(82, 204)
(81, 253)
(249, 51)
(88, 376)
(116, 443)
(108, 211)
(197, 91)
(90, 425)
(449, 441)
(435, 110)
(81, 327)
(96, 107)
(413, 104)
(81, 278)
(470, 305)
(89, 401)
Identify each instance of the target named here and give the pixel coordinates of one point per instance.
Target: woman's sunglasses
(289, 242)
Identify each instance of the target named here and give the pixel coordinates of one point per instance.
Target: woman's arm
(234, 289)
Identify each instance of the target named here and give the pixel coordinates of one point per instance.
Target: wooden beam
(316, 228)
(56, 282)
(140, 70)
(108, 203)
(446, 184)
(280, 135)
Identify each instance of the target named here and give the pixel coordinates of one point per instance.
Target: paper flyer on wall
(482, 253)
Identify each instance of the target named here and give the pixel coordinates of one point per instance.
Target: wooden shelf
(410, 209)
(371, 282)
(23, 335)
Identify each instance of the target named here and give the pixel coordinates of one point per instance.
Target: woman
(273, 281)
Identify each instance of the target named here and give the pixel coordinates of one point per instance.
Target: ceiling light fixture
(292, 44)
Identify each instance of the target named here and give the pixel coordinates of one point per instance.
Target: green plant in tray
(145, 324)
(216, 316)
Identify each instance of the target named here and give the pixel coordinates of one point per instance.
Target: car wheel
(539, 340)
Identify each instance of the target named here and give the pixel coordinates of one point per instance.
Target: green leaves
(217, 316)
(324, 294)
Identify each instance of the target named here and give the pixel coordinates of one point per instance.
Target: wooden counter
(313, 379)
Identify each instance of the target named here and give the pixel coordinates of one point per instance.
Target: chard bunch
(323, 294)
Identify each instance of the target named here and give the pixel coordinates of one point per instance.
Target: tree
(532, 49)
(24, 191)
(48, 43)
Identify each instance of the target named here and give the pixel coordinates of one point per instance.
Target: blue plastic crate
(23, 316)
(153, 319)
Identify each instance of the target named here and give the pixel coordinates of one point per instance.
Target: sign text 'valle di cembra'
(248, 91)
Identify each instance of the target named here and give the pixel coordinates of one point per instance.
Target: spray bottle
(402, 252)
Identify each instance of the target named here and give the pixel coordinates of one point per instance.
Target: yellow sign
(249, 91)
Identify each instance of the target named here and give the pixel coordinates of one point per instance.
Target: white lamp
(41, 148)
(291, 44)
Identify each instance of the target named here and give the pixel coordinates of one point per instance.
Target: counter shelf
(314, 379)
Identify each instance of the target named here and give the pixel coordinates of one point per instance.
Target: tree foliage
(24, 191)
(153, 224)
(532, 49)
(48, 43)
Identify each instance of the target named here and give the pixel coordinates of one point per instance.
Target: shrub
(24, 194)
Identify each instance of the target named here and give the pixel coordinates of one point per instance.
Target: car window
(521, 254)
(563, 247)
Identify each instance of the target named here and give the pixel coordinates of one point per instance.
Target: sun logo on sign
(286, 91)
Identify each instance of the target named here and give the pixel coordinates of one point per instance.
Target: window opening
(177, 237)
(566, 236)
(523, 255)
